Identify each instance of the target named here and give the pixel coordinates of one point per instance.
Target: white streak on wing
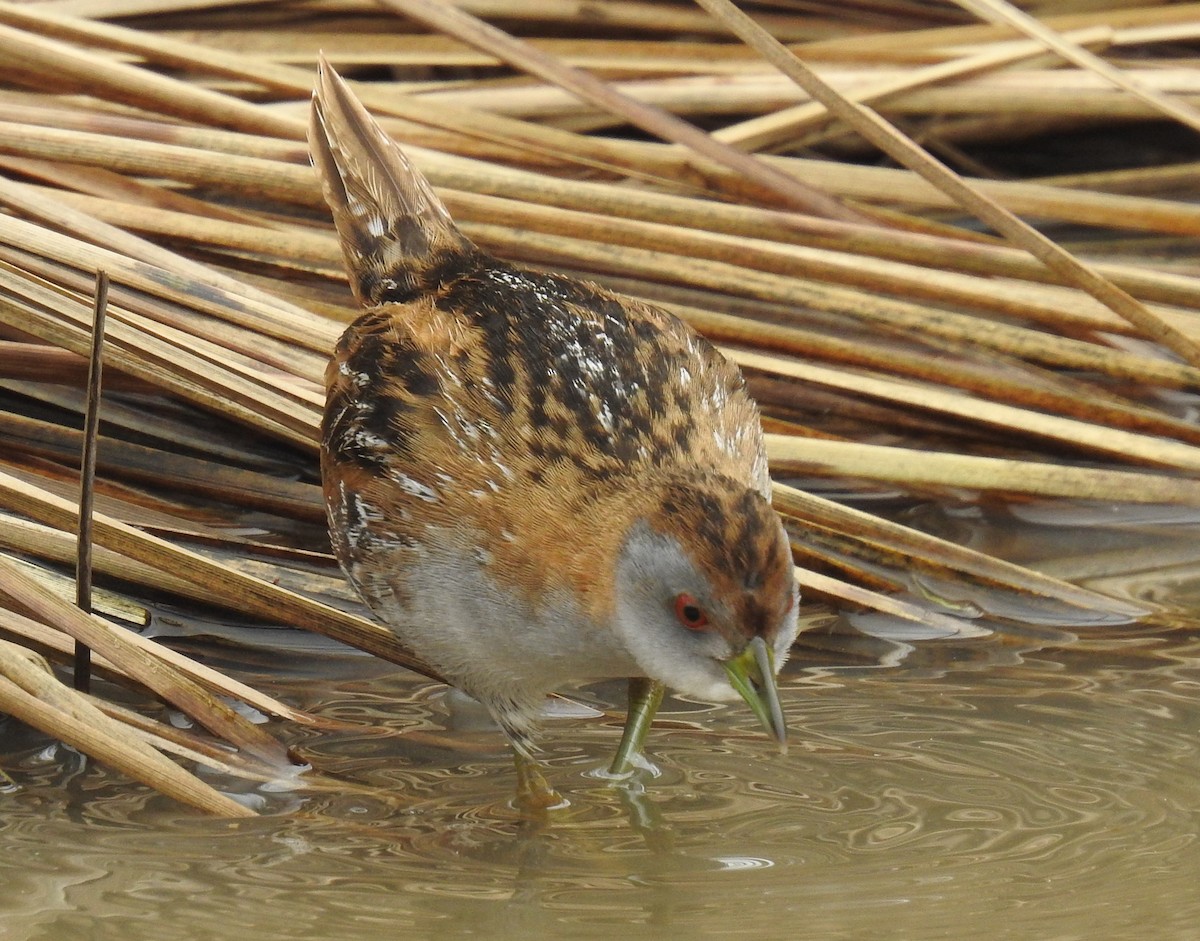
(364, 514)
(604, 415)
(719, 397)
(366, 440)
(449, 376)
(762, 475)
(358, 208)
(594, 358)
(414, 488)
(453, 427)
(724, 443)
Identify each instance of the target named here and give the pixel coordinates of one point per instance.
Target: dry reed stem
(150, 669)
(1034, 91)
(911, 44)
(243, 592)
(928, 468)
(530, 138)
(55, 545)
(87, 478)
(145, 262)
(29, 691)
(680, 254)
(903, 149)
(885, 313)
(1053, 306)
(815, 510)
(1123, 445)
(838, 590)
(804, 303)
(62, 322)
(87, 71)
(138, 463)
(769, 130)
(33, 632)
(450, 19)
(1069, 49)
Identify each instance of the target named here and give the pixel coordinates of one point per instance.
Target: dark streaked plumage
(526, 473)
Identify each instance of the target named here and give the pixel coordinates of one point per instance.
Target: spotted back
(530, 413)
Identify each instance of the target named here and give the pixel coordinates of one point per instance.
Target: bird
(534, 481)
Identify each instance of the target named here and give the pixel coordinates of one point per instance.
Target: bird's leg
(645, 696)
(534, 793)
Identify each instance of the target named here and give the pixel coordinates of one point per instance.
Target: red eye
(689, 612)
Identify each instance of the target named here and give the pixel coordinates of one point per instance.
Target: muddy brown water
(1031, 778)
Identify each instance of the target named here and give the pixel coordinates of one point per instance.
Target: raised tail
(397, 237)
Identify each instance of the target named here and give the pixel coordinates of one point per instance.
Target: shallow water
(1012, 785)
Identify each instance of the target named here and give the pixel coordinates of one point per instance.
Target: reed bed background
(951, 243)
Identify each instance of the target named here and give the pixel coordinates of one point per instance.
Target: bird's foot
(535, 796)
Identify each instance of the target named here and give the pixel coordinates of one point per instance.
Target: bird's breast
(444, 596)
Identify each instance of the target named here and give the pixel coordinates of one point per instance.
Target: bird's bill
(752, 674)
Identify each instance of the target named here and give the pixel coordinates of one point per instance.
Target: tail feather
(396, 234)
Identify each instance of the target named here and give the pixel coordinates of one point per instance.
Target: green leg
(645, 696)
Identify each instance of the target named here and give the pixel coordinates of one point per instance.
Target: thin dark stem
(87, 479)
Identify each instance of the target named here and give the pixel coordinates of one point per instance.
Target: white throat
(652, 569)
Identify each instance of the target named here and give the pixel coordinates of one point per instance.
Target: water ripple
(1054, 795)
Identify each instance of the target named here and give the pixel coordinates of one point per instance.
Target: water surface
(1011, 784)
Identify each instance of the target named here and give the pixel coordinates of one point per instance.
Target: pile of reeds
(902, 324)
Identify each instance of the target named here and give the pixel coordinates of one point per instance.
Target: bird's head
(706, 594)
